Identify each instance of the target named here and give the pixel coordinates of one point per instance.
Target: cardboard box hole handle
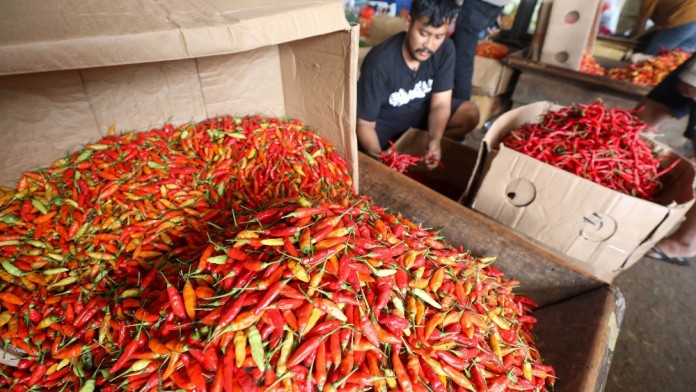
(520, 192)
(572, 17)
(562, 57)
(597, 227)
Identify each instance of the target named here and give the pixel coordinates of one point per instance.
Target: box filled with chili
(451, 176)
(73, 71)
(603, 229)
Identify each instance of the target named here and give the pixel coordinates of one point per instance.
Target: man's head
(427, 26)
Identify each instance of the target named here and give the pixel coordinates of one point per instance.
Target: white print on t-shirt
(420, 90)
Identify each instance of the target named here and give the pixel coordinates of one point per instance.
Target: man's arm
(367, 136)
(440, 112)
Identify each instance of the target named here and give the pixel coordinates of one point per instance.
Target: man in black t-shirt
(407, 81)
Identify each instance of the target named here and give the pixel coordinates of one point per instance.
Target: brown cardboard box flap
(491, 77)
(44, 35)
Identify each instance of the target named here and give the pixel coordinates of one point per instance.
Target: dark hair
(438, 12)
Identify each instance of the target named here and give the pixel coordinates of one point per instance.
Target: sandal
(662, 256)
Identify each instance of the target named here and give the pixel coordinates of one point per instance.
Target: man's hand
(433, 154)
(440, 107)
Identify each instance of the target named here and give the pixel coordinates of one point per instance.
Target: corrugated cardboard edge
(351, 140)
(301, 72)
(183, 30)
(486, 145)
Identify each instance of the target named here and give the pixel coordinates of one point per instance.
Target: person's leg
(474, 16)
(683, 36)
(465, 117)
(683, 242)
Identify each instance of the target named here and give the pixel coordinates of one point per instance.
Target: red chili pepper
(368, 330)
(270, 295)
(231, 311)
(128, 352)
(304, 350)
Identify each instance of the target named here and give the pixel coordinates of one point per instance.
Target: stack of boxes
(491, 87)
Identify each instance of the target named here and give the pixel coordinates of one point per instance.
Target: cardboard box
(571, 30)
(384, 26)
(600, 230)
(491, 106)
(491, 77)
(72, 69)
(579, 315)
(458, 162)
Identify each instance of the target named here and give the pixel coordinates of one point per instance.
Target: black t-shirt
(395, 96)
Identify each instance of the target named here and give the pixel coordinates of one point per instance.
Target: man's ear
(407, 22)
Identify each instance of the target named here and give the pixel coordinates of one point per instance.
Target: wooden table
(541, 82)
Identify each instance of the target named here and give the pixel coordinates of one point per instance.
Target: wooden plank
(578, 337)
(545, 277)
(540, 32)
(579, 318)
(517, 60)
(533, 87)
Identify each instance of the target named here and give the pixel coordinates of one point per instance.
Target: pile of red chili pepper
(396, 160)
(590, 65)
(597, 143)
(233, 255)
(651, 72)
(492, 50)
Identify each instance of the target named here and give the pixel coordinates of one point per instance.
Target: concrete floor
(655, 350)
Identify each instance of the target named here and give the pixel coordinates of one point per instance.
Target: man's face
(422, 40)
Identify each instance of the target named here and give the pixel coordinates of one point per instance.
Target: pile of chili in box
(492, 50)
(648, 72)
(600, 144)
(233, 255)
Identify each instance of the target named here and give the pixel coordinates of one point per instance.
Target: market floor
(655, 349)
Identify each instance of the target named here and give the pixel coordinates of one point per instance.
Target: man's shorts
(392, 129)
(680, 106)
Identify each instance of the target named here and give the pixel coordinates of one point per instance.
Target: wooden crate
(579, 316)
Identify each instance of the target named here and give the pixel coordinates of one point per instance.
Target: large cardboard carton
(579, 315)
(457, 163)
(72, 69)
(600, 230)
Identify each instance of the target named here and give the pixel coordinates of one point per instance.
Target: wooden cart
(579, 316)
